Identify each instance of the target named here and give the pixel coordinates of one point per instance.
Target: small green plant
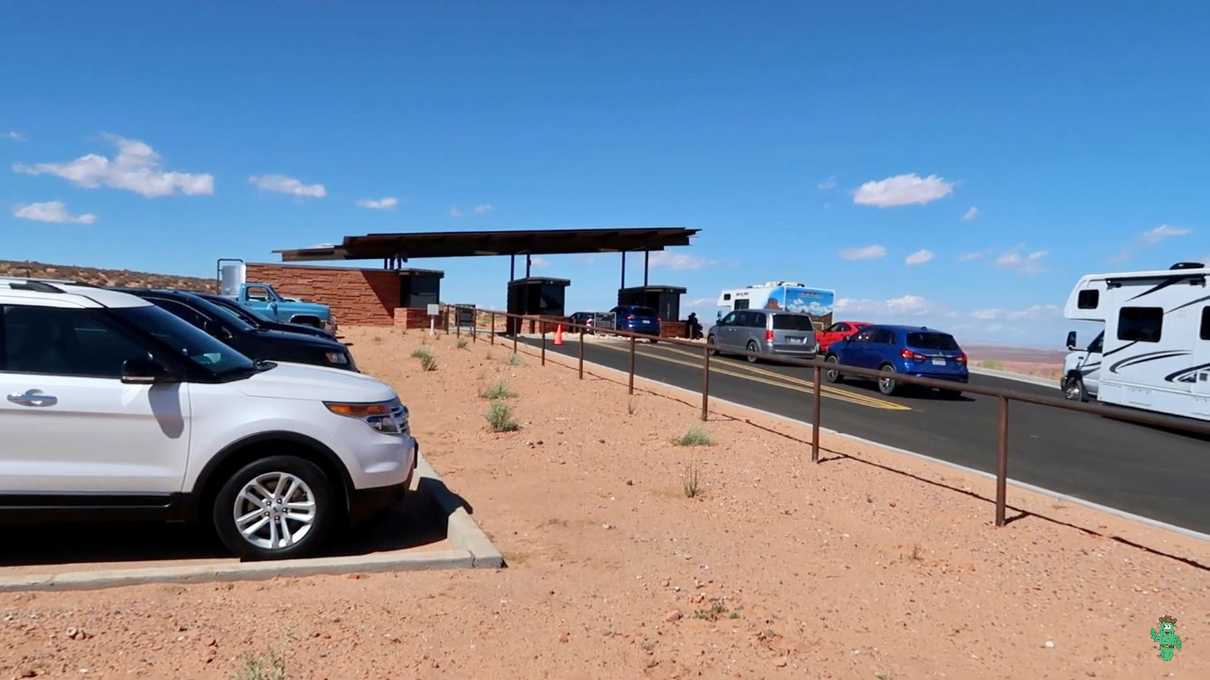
(500, 417)
(462, 343)
(690, 482)
(695, 436)
(713, 612)
(515, 360)
(499, 390)
(263, 667)
(428, 362)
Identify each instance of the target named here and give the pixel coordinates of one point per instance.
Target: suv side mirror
(1071, 340)
(145, 372)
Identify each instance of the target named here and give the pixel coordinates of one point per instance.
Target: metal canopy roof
(502, 242)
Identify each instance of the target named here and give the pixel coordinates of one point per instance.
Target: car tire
(753, 352)
(952, 395)
(1074, 390)
(887, 385)
(832, 375)
(712, 344)
(292, 485)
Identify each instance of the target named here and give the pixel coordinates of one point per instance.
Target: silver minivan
(764, 334)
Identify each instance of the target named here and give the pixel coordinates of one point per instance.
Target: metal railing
(818, 366)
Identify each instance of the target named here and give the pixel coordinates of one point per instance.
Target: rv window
(1205, 323)
(1088, 299)
(726, 296)
(741, 304)
(1141, 324)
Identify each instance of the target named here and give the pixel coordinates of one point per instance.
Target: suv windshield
(186, 339)
(931, 341)
(219, 310)
(792, 322)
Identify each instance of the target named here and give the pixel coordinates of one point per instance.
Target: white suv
(113, 404)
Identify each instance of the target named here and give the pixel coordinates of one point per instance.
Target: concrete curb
(472, 550)
(461, 529)
(1033, 380)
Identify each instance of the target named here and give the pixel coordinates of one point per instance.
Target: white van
(1155, 353)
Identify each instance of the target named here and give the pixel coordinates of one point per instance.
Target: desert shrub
(263, 667)
(515, 360)
(462, 343)
(499, 390)
(500, 417)
(694, 436)
(690, 483)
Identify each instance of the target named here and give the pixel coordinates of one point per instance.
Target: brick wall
(358, 297)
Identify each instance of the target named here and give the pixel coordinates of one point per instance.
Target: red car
(838, 331)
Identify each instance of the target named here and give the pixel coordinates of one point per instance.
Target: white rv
(788, 295)
(1155, 353)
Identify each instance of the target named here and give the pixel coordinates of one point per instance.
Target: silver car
(764, 334)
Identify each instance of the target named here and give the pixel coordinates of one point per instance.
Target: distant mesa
(103, 277)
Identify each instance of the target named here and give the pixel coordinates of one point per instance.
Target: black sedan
(260, 322)
(250, 340)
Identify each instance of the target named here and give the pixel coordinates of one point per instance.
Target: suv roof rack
(34, 286)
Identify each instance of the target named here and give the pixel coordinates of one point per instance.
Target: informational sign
(434, 310)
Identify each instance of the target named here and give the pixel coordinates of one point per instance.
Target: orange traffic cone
(559, 334)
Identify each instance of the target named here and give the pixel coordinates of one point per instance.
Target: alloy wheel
(274, 510)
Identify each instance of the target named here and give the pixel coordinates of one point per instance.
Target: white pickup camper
(1156, 349)
(788, 295)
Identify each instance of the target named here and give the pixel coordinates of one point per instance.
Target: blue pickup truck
(261, 299)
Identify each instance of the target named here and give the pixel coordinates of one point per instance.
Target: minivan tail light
(768, 335)
(911, 356)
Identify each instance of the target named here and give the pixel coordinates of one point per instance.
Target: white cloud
(456, 212)
(54, 212)
(1164, 231)
(698, 303)
(1022, 263)
(483, 208)
(136, 168)
(14, 136)
(971, 214)
(919, 257)
(902, 190)
(976, 255)
(870, 252)
(662, 259)
(385, 203)
(283, 184)
(1031, 313)
(828, 184)
(907, 305)
(538, 262)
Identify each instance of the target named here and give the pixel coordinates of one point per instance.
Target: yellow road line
(781, 380)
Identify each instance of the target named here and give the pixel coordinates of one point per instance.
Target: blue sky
(808, 141)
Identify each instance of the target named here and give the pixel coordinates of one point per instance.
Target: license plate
(645, 322)
(938, 361)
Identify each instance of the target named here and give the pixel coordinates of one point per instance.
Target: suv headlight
(387, 417)
(337, 358)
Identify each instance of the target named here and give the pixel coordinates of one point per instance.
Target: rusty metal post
(1002, 463)
(815, 417)
(706, 385)
(475, 326)
(543, 329)
(581, 354)
(493, 328)
(516, 332)
(631, 360)
(457, 325)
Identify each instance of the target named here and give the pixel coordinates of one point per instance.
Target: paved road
(1143, 470)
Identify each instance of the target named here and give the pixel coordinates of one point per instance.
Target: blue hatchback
(636, 319)
(906, 350)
